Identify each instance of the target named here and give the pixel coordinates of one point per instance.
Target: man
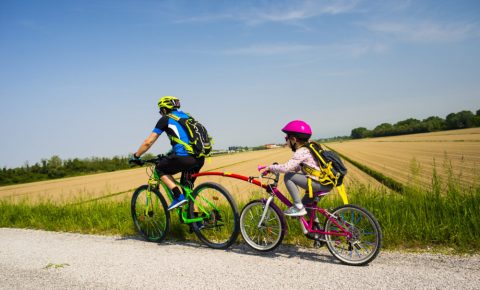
(178, 159)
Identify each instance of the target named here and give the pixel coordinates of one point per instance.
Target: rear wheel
(150, 214)
(366, 235)
(264, 236)
(220, 225)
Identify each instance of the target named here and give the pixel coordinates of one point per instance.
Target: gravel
(32, 259)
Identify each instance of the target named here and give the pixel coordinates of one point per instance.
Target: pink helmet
(298, 128)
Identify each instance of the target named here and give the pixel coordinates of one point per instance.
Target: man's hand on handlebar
(135, 160)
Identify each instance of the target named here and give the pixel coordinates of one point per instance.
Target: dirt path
(37, 259)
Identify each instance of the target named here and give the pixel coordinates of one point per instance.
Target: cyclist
(178, 159)
(298, 133)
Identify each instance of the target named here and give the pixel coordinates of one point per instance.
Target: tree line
(460, 120)
(55, 167)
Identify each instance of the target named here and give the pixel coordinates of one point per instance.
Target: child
(298, 133)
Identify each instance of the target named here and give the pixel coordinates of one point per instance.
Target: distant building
(238, 148)
(271, 146)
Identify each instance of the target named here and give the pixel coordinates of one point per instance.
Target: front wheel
(150, 214)
(365, 239)
(219, 227)
(262, 235)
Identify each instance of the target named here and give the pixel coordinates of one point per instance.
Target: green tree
(476, 119)
(460, 120)
(409, 126)
(360, 132)
(434, 123)
(384, 129)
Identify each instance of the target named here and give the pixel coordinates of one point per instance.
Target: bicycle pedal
(312, 236)
(318, 244)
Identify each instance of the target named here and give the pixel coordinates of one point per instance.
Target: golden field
(403, 158)
(410, 159)
(108, 184)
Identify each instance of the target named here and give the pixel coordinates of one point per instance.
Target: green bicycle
(211, 212)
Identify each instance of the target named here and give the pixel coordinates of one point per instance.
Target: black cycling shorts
(173, 164)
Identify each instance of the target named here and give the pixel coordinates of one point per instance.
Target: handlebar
(260, 167)
(267, 172)
(151, 161)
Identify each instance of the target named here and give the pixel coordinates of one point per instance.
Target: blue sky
(82, 78)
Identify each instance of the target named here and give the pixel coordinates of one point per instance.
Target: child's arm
(291, 165)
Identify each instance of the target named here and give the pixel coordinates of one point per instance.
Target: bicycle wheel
(265, 236)
(150, 215)
(220, 226)
(366, 240)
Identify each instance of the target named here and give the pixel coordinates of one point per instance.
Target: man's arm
(147, 144)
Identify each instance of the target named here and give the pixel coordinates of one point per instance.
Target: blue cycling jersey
(173, 129)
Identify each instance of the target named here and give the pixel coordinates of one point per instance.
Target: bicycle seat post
(304, 229)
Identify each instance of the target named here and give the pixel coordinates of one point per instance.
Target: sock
(176, 192)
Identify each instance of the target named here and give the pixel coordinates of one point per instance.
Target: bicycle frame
(274, 192)
(154, 181)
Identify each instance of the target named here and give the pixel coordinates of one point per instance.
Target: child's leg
(316, 187)
(293, 180)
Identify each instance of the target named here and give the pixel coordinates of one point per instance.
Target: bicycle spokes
(149, 214)
(215, 215)
(261, 226)
(356, 235)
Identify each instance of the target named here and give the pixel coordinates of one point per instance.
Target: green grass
(98, 217)
(444, 217)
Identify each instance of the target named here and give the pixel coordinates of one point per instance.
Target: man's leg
(186, 178)
(168, 166)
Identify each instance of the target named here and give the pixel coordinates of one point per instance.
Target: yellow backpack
(332, 170)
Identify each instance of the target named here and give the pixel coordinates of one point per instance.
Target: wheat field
(407, 159)
(411, 159)
(88, 187)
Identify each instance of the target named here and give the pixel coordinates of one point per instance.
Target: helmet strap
(163, 111)
(293, 145)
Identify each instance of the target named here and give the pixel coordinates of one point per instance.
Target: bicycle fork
(148, 204)
(265, 212)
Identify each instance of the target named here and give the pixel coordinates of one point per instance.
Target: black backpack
(200, 142)
(331, 165)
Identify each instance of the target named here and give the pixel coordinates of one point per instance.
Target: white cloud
(279, 12)
(353, 50)
(361, 48)
(270, 49)
(426, 31)
(297, 11)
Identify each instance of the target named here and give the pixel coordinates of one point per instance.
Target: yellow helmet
(169, 102)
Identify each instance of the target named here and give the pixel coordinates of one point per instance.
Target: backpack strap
(310, 189)
(343, 193)
(315, 150)
(177, 140)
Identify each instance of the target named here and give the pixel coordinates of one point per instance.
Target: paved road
(32, 259)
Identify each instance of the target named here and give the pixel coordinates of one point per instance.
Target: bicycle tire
(220, 229)
(270, 234)
(154, 224)
(365, 244)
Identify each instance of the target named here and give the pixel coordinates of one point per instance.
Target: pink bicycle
(352, 234)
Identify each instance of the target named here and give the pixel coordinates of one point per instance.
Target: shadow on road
(286, 251)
